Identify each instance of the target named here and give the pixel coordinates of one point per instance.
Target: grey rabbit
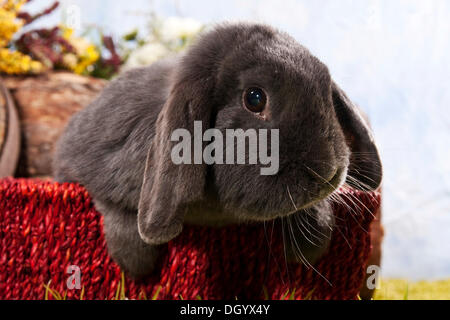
(119, 146)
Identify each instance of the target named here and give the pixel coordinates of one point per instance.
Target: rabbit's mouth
(291, 190)
(337, 179)
(328, 187)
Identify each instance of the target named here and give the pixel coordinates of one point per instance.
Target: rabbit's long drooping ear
(365, 171)
(168, 188)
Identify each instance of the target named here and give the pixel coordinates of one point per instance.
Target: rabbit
(235, 75)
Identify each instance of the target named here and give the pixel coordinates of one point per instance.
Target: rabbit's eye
(255, 99)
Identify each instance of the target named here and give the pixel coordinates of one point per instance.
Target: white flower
(174, 29)
(146, 55)
(171, 36)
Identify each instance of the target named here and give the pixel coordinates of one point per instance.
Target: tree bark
(45, 103)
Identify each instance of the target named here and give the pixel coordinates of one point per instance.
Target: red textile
(45, 227)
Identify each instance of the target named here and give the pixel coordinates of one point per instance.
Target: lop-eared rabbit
(246, 76)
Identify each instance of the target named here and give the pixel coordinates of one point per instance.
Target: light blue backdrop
(392, 58)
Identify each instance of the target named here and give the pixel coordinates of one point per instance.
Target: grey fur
(119, 146)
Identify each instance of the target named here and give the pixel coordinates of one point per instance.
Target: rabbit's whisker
(361, 185)
(304, 220)
(308, 264)
(337, 198)
(358, 171)
(320, 177)
(299, 227)
(290, 197)
(269, 245)
(357, 213)
(294, 245)
(284, 247)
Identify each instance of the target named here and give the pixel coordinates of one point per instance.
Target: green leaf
(131, 36)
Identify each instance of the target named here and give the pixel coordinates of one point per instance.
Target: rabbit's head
(250, 76)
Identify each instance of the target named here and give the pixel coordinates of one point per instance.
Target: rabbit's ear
(365, 171)
(168, 188)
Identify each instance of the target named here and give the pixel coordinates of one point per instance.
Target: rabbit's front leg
(125, 246)
(308, 233)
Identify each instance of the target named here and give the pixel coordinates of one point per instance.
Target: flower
(146, 55)
(174, 28)
(87, 59)
(167, 36)
(70, 60)
(85, 55)
(13, 62)
(9, 25)
(13, 5)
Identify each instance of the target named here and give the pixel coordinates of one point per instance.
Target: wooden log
(9, 134)
(45, 103)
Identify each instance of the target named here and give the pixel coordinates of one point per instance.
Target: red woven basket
(46, 227)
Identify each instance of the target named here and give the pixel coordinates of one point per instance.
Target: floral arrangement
(38, 50)
(166, 37)
(13, 62)
(43, 49)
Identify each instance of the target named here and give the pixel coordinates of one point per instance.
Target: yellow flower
(13, 5)
(87, 59)
(36, 66)
(66, 32)
(86, 53)
(9, 24)
(13, 62)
